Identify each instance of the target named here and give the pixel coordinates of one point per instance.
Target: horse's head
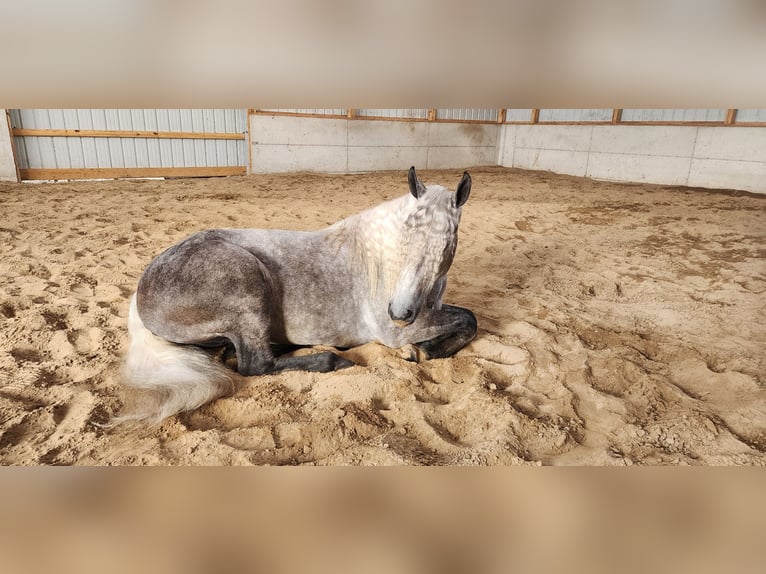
(428, 242)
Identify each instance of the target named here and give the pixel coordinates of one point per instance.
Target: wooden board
(357, 116)
(126, 172)
(12, 144)
(534, 119)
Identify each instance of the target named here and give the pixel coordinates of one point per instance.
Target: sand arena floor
(618, 325)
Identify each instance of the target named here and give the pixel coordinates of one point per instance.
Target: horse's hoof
(341, 363)
(412, 354)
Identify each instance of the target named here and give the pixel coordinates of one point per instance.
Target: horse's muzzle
(406, 318)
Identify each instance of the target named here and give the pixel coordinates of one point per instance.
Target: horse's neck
(377, 237)
(381, 227)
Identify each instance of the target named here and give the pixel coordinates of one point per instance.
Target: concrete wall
(7, 165)
(713, 157)
(284, 143)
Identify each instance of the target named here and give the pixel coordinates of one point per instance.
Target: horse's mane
(372, 238)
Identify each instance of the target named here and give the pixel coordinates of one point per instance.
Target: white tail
(175, 378)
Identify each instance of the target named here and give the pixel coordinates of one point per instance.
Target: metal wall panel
(751, 115)
(489, 115)
(96, 153)
(308, 111)
(475, 114)
(576, 115)
(405, 113)
(673, 115)
(44, 152)
(198, 120)
(518, 115)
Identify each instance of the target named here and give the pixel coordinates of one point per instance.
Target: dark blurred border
(88, 53)
(392, 53)
(382, 520)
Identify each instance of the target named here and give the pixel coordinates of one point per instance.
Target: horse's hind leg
(284, 348)
(253, 362)
(255, 355)
(252, 347)
(260, 361)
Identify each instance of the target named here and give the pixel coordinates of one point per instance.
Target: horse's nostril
(407, 316)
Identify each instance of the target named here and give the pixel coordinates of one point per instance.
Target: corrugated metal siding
(189, 120)
(88, 152)
(308, 111)
(408, 113)
(518, 115)
(576, 115)
(673, 115)
(475, 114)
(751, 115)
(98, 152)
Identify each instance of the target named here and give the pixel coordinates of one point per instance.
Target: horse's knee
(459, 331)
(466, 323)
(469, 325)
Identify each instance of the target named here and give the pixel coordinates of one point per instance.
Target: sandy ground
(618, 324)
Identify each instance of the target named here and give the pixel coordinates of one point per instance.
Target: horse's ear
(463, 190)
(416, 186)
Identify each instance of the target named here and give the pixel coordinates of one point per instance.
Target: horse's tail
(170, 378)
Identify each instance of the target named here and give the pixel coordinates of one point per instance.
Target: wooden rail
(534, 118)
(13, 145)
(127, 172)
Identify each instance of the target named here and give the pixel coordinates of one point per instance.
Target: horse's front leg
(439, 333)
(434, 299)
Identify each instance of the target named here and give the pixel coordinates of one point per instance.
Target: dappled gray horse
(375, 276)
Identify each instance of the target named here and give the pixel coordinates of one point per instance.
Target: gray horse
(376, 276)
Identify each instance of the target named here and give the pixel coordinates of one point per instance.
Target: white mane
(374, 236)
